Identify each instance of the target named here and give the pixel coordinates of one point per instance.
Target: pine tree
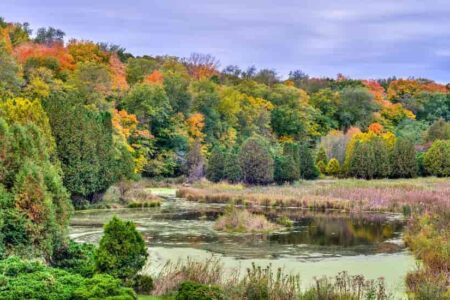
(333, 168)
(232, 170)
(308, 169)
(216, 165)
(403, 159)
(256, 161)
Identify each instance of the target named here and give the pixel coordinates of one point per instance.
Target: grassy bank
(401, 195)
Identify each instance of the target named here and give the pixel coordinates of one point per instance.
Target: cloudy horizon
(361, 39)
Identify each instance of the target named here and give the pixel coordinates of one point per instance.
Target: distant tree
(403, 159)
(201, 66)
(439, 130)
(256, 161)
(356, 108)
(122, 251)
(433, 106)
(49, 36)
(266, 76)
(216, 165)
(308, 169)
(232, 170)
(195, 162)
(138, 68)
(10, 81)
(322, 156)
(412, 130)
(437, 159)
(333, 168)
(287, 168)
(176, 87)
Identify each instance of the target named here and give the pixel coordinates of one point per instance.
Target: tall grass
(241, 220)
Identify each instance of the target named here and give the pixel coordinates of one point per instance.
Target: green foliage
(333, 168)
(411, 130)
(370, 159)
(403, 159)
(308, 169)
(138, 68)
(256, 161)
(322, 156)
(232, 170)
(433, 106)
(9, 78)
(321, 166)
(143, 284)
(195, 291)
(216, 165)
(437, 159)
(195, 162)
(122, 251)
(75, 258)
(356, 107)
(103, 286)
(439, 130)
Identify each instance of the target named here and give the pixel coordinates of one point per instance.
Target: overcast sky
(359, 38)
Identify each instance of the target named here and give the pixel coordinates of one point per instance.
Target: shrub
(322, 156)
(308, 169)
(232, 170)
(103, 286)
(286, 169)
(122, 251)
(75, 258)
(333, 168)
(403, 159)
(256, 161)
(322, 167)
(369, 159)
(143, 284)
(437, 159)
(196, 291)
(216, 165)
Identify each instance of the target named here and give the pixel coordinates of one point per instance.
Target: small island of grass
(242, 221)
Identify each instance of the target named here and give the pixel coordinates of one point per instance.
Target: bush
(286, 167)
(256, 162)
(143, 284)
(437, 159)
(322, 167)
(232, 170)
(333, 168)
(195, 291)
(403, 159)
(369, 159)
(122, 251)
(75, 258)
(216, 165)
(308, 169)
(322, 156)
(103, 286)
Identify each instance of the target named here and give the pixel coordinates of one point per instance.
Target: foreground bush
(75, 258)
(196, 291)
(122, 251)
(22, 279)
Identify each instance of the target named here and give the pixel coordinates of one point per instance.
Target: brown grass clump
(241, 220)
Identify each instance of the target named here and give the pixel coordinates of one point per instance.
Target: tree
(403, 159)
(216, 165)
(9, 80)
(437, 159)
(308, 169)
(256, 161)
(49, 36)
(356, 108)
(322, 156)
(232, 170)
(287, 167)
(195, 162)
(439, 130)
(333, 168)
(369, 158)
(122, 251)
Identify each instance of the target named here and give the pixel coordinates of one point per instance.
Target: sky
(359, 38)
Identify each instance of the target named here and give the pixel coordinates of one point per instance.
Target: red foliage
(57, 51)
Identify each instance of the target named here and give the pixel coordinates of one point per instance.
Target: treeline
(109, 115)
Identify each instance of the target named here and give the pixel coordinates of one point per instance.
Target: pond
(317, 244)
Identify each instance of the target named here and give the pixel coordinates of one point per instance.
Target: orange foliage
(156, 77)
(352, 131)
(126, 125)
(376, 90)
(400, 88)
(376, 128)
(118, 73)
(57, 51)
(5, 40)
(196, 123)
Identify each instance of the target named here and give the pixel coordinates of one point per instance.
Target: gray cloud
(358, 38)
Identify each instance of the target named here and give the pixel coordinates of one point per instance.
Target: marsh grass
(265, 283)
(401, 195)
(241, 220)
